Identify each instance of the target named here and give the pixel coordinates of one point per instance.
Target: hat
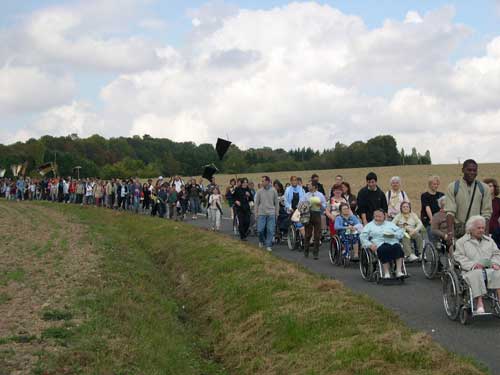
(209, 171)
(160, 178)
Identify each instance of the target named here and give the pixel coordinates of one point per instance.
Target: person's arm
(424, 201)
(461, 257)
(487, 208)
(257, 202)
(364, 236)
(288, 203)
(435, 228)
(384, 202)
(450, 207)
(276, 204)
(495, 255)
(362, 207)
(419, 225)
(339, 223)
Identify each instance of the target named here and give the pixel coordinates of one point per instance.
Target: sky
(262, 73)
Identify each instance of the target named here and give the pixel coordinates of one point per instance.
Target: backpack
(456, 187)
(389, 195)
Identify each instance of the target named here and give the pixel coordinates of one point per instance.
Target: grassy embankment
(171, 299)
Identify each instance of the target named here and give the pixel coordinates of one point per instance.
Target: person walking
(242, 199)
(266, 211)
(465, 198)
(215, 205)
(317, 203)
(370, 198)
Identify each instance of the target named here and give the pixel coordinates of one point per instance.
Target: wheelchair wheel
(292, 237)
(451, 295)
(366, 265)
(429, 260)
(334, 251)
(465, 315)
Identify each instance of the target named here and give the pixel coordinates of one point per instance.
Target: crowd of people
(466, 213)
(269, 206)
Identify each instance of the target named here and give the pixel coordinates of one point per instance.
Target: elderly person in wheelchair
(383, 238)
(479, 259)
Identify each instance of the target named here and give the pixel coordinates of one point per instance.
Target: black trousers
(243, 222)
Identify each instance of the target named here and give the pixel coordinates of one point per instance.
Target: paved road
(418, 302)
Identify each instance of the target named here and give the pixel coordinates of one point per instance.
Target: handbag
(295, 216)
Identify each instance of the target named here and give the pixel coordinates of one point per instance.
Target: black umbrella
(209, 171)
(221, 147)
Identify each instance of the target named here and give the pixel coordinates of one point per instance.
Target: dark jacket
(371, 200)
(245, 199)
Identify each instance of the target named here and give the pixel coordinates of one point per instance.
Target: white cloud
(154, 24)
(88, 35)
(28, 89)
(304, 74)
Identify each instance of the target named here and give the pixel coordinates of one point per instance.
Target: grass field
(414, 177)
(94, 291)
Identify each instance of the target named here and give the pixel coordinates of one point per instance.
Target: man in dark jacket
(370, 198)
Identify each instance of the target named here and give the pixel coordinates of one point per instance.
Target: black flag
(209, 171)
(221, 147)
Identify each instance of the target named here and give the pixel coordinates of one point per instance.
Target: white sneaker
(269, 249)
(412, 258)
(387, 275)
(400, 274)
(261, 245)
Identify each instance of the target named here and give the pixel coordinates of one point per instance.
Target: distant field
(414, 177)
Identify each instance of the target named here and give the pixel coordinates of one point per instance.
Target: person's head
(313, 187)
(371, 181)
(238, 182)
(315, 178)
(244, 183)
(278, 186)
(344, 209)
(395, 183)
(337, 190)
(346, 188)
(476, 226)
(216, 190)
(469, 169)
(441, 202)
(251, 185)
(378, 216)
(433, 183)
(265, 182)
(339, 179)
(299, 181)
(232, 182)
(293, 181)
(405, 207)
(493, 185)
(212, 180)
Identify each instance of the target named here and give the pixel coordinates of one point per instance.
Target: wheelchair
(435, 258)
(371, 268)
(295, 240)
(341, 248)
(457, 297)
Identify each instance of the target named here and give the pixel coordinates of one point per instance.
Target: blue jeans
(195, 205)
(266, 226)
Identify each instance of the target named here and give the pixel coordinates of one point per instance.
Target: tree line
(148, 157)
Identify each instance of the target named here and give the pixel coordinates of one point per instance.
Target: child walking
(215, 204)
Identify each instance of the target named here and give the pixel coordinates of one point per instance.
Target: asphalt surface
(418, 302)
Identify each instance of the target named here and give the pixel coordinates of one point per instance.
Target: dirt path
(43, 258)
